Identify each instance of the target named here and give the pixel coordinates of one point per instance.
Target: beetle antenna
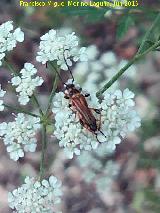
(97, 136)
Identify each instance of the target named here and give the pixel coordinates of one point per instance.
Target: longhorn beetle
(79, 105)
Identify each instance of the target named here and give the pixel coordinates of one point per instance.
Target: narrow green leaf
(123, 25)
(151, 35)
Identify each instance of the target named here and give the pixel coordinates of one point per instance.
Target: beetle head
(71, 90)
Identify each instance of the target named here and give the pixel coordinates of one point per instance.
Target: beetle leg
(97, 138)
(66, 97)
(88, 128)
(87, 95)
(99, 127)
(99, 122)
(80, 89)
(74, 111)
(81, 122)
(70, 105)
(98, 111)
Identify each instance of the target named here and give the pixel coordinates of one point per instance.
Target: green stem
(10, 67)
(34, 98)
(121, 71)
(52, 93)
(20, 110)
(44, 146)
(55, 83)
(44, 135)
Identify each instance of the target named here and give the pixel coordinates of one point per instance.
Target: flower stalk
(20, 110)
(44, 147)
(121, 71)
(34, 98)
(55, 83)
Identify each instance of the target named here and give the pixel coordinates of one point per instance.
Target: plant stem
(37, 103)
(121, 71)
(10, 67)
(55, 82)
(44, 135)
(56, 70)
(20, 110)
(44, 146)
(52, 93)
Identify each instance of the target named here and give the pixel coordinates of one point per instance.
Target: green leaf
(123, 26)
(151, 35)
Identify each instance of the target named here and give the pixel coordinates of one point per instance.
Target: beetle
(79, 106)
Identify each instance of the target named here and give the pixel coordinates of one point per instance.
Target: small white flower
(118, 118)
(26, 84)
(2, 93)
(19, 135)
(108, 59)
(9, 38)
(60, 48)
(92, 52)
(109, 174)
(35, 196)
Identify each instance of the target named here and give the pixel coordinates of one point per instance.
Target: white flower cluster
(95, 171)
(118, 117)
(19, 135)
(60, 48)
(93, 73)
(26, 84)
(9, 38)
(35, 196)
(2, 93)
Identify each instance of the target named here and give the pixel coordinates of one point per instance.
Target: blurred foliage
(152, 200)
(123, 25)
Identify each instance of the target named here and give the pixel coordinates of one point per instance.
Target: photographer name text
(69, 3)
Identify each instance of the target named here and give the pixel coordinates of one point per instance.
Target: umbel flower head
(2, 93)
(35, 196)
(26, 84)
(19, 135)
(9, 38)
(118, 117)
(99, 67)
(60, 48)
(98, 171)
